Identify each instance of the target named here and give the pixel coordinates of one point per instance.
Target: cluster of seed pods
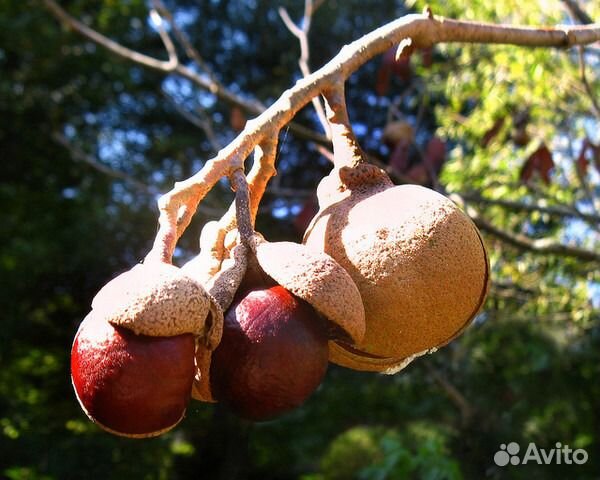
(385, 273)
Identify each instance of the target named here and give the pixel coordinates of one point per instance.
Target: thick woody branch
(178, 206)
(424, 29)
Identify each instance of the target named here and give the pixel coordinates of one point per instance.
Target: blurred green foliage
(526, 371)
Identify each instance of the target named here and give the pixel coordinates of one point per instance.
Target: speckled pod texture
(317, 279)
(157, 300)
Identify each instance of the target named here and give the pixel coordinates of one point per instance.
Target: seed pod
(313, 277)
(132, 361)
(159, 300)
(418, 261)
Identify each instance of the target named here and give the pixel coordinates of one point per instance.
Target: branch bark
(178, 206)
(302, 35)
(207, 82)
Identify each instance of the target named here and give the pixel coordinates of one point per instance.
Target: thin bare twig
(252, 107)
(588, 88)
(577, 12)
(201, 121)
(466, 409)
(302, 35)
(192, 53)
(178, 206)
(583, 181)
(542, 246)
(137, 57)
(556, 211)
(81, 156)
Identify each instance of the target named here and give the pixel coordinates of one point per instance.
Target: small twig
(192, 53)
(466, 409)
(164, 36)
(556, 211)
(165, 66)
(577, 12)
(79, 155)
(252, 107)
(585, 185)
(302, 35)
(204, 123)
(541, 246)
(588, 88)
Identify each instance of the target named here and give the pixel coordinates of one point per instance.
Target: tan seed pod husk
(317, 279)
(418, 261)
(158, 299)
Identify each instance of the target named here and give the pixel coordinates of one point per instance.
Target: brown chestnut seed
(131, 385)
(272, 356)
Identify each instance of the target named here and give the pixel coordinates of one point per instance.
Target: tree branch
(588, 88)
(182, 38)
(466, 409)
(178, 206)
(208, 82)
(556, 211)
(542, 246)
(132, 55)
(577, 12)
(302, 35)
(79, 155)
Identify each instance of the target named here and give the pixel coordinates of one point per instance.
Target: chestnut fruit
(273, 354)
(131, 385)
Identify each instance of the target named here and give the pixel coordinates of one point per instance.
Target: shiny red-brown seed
(131, 385)
(272, 356)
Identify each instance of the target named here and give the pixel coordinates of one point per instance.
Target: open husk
(317, 279)
(418, 261)
(158, 299)
(311, 276)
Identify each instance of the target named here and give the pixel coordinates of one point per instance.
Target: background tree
(90, 138)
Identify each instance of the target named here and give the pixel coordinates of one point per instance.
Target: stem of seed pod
(242, 206)
(347, 151)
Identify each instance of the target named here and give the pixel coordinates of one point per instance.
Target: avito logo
(561, 454)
